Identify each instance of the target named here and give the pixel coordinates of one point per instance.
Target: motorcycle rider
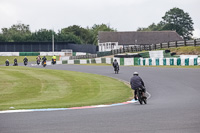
(44, 59)
(25, 59)
(7, 62)
(137, 82)
(15, 62)
(38, 59)
(115, 65)
(54, 57)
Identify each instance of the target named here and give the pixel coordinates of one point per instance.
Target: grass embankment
(30, 88)
(187, 50)
(20, 59)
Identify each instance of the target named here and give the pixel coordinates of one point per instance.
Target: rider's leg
(135, 94)
(144, 92)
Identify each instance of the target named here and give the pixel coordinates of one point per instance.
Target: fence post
(160, 45)
(185, 42)
(176, 44)
(149, 47)
(155, 46)
(167, 44)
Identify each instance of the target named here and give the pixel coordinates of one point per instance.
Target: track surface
(174, 107)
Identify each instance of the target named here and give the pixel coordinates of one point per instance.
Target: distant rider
(137, 82)
(38, 59)
(15, 62)
(44, 59)
(25, 59)
(54, 57)
(115, 65)
(7, 62)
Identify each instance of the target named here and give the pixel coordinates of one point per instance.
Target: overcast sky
(123, 15)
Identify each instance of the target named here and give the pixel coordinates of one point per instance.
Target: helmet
(135, 73)
(115, 60)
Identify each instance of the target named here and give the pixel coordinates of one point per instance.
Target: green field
(33, 88)
(20, 59)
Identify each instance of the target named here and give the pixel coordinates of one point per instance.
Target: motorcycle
(25, 63)
(53, 61)
(38, 62)
(44, 63)
(116, 69)
(140, 96)
(15, 64)
(7, 63)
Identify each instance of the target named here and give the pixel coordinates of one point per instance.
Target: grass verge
(187, 50)
(31, 88)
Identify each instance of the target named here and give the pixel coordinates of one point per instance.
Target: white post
(52, 42)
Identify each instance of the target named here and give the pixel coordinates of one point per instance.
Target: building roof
(138, 37)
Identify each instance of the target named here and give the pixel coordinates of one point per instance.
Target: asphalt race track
(174, 106)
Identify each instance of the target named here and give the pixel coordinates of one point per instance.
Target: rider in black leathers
(7, 62)
(25, 60)
(15, 62)
(44, 59)
(115, 65)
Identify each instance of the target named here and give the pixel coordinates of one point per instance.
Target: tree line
(175, 19)
(74, 34)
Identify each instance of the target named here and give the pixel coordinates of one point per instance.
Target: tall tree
(42, 35)
(152, 27)
(78, 31)
(180, 21)
(96, 28)
(175, 19)
(17, 32)
(69, 37)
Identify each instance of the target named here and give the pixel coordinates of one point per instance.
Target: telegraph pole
(52, 42)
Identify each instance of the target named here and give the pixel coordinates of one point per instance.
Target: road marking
(59, 109)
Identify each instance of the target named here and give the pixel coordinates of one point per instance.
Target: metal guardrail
(137, 48)
(83, 56)
(176, 44)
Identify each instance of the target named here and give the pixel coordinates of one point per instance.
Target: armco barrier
(32, 53)
(52, 53)
(168, 61)
(9, 53)
(29, 53)
(139, 61)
